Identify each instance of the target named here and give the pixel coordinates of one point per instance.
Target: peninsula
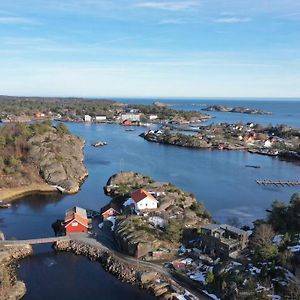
(240, 109)
(25, 109)
(281, 140)
(39, 158)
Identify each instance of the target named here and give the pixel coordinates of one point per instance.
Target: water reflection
(37, 202)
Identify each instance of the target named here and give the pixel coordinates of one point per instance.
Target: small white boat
(99, 144)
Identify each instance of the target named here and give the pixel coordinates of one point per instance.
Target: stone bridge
(48, 240)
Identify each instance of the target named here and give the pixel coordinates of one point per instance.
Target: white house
(153, 117)
(143, 200)
(100, 118)
(267, 144)
(131, 117)
(87, 118)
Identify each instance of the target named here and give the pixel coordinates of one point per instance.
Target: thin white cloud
(171, 21)
(9, 20)
(232, 20)
(287, 16)
(169, 6)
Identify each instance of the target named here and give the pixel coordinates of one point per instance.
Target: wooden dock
(279, 183)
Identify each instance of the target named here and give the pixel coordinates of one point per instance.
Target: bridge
(48, 240)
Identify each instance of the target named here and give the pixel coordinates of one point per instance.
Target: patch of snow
(275, 297)
(249, 232)
(187, 261)
(212, 296)
(278, 239)
(294, 248)
(128, 202)
(199, 277)
(157, 221)
(113, 220)
(254, 270)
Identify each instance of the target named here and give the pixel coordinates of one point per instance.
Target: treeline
(286, 217)
(64, 106)
(283, 219)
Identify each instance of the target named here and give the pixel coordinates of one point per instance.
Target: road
(183, 281)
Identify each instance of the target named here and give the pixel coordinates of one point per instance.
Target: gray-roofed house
(222, 239)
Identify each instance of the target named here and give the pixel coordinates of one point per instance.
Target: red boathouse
(76, 220)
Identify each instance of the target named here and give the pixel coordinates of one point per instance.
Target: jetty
(279, 183)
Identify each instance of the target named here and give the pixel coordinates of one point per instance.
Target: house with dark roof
(109, 210)
(222, 240)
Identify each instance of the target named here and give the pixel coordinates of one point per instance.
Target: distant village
(93, 111)
(266, 140)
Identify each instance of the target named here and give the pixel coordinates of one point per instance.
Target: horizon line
(155, 98)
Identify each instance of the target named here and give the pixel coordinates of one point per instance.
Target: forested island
(240, 109)
(39, 157)
(282, 140)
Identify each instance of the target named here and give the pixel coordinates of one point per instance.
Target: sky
(144, 48)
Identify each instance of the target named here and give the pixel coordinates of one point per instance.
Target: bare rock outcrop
(59, 158)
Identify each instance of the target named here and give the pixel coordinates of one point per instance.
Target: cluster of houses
(76, 219)
(216, 240)
(245, 133)
(37, 115)
(126, 117)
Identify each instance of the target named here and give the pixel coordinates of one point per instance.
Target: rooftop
(214, 227)
(76, 210)
(141, 194)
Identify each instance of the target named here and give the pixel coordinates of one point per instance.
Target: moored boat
(4, 204)
(99, 144)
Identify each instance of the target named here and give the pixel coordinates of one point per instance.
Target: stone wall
(10, 287)
(153, 282)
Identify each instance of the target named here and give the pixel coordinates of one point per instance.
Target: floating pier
(279, 183)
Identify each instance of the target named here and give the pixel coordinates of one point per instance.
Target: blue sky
(192, 48)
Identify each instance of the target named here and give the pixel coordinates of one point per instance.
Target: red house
(127, 123)
(109, 210)
(76, 220)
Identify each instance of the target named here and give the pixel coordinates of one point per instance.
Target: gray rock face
(59, 159)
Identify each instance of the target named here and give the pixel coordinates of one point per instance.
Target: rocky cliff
(59, 158)
(37, 157)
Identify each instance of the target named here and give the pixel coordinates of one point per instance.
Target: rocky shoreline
(10, 287)
(154, 283)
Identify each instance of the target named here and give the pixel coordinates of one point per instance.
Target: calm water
(284, 111)
(218, 178)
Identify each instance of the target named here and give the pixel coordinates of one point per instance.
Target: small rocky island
(241, 110)
(39, 158)
(148, 228)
